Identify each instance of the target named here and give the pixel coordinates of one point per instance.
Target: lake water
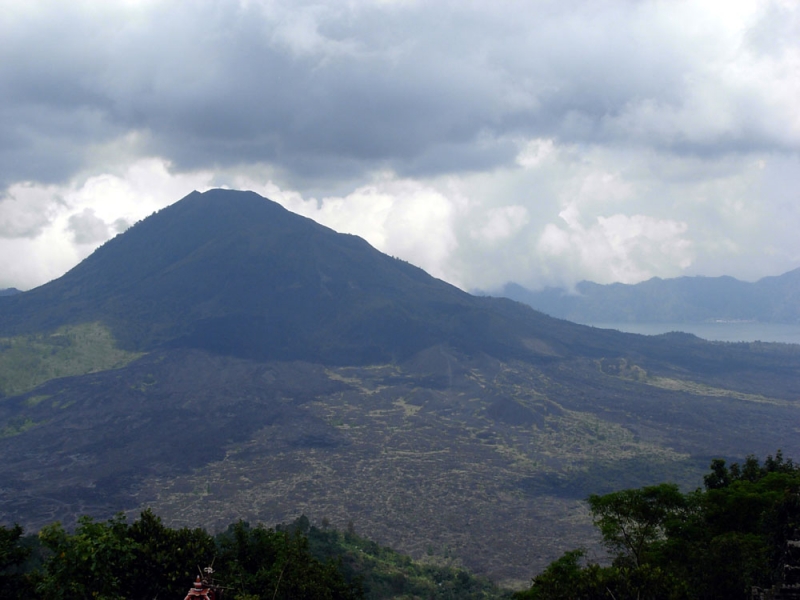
(722, 332)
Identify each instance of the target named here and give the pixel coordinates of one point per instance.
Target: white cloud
(501, 223)
(400, 217)
(72, 220)
(26, 209)
(535, 152)
(620, 248)
(87, 228)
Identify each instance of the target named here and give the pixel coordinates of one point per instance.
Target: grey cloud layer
(334, 90)
(542, 142)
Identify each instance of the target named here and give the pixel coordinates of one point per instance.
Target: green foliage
(722, 476)
(14, 584)
(266, 563)
(567, 579)
(385, 573)
(16, 426)
(27, 361)
(113, 560)
(710, 544)
(632, 522)
(563, 579)
(91, 563)
(165, 560)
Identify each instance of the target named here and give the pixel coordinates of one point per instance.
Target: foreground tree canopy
(722, 542)
(114, 560)
(145, 560)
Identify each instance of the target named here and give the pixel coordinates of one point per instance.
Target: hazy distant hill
(9, 292)
(225, 359)
(680, 300)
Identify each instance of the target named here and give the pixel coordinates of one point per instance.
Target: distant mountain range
(9, 292)
(226, 359)
(679, 300)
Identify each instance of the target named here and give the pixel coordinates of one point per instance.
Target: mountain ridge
(352, 312)
(773, 299)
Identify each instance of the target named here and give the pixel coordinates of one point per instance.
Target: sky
(540, 142)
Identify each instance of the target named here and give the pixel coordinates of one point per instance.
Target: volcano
(225, 358)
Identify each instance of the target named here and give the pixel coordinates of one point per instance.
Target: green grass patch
(28, 361)
(34, 400)
(17, 426)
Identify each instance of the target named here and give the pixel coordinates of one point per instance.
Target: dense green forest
(722, 542)
(145, 560)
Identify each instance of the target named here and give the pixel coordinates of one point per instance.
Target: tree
(711, 544)
(563, 579)
(270, 564)
(165, 560)
(632, 522)
(92, 563)
(13, 582)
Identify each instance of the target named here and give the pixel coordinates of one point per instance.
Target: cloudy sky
(541, 142)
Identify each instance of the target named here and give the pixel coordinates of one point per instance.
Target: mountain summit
(235, 273)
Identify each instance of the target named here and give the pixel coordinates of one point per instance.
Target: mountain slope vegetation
(146, 559)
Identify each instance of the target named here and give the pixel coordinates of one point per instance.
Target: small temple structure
(205, 588)
(200, 591)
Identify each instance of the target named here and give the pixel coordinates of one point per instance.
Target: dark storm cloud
(313, 89)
